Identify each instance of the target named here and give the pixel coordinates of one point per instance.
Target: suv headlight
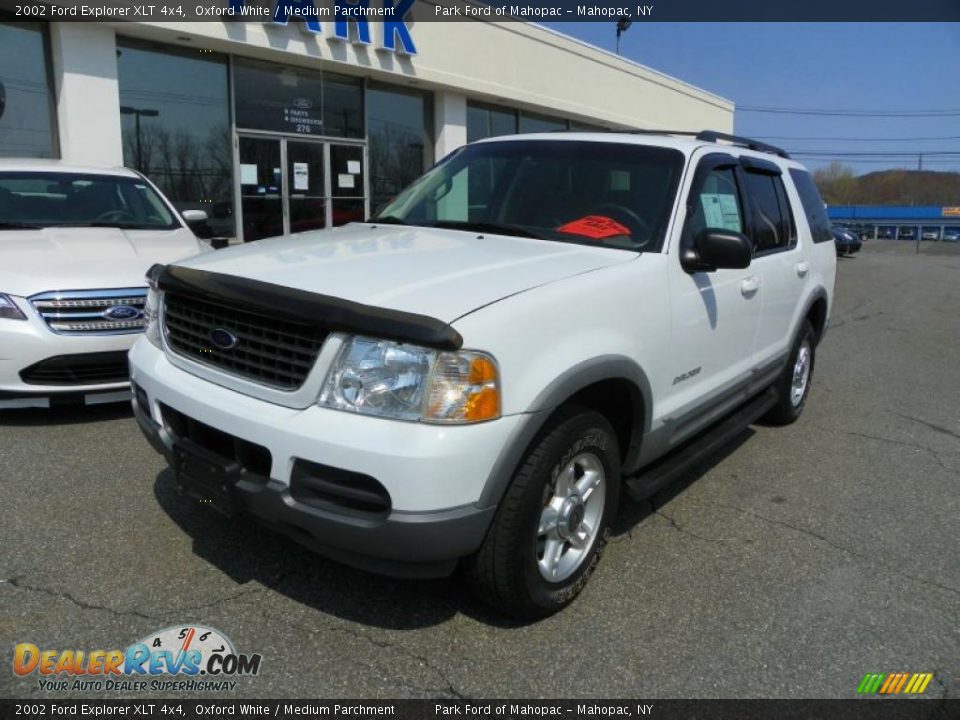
(408, 382)
(9, 309)
(151, 308)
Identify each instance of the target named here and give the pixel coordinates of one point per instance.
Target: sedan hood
(33, 261)
(443, 274)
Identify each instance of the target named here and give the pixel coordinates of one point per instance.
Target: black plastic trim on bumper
(419, 545)
(320, 311)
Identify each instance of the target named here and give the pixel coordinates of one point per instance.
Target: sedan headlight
(9, 309)
(151, 308)
(408, 382)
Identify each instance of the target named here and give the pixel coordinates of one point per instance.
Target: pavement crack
(827, 541)
(19, 584)
(681, 528)
(448, 686)
(933, 426)
(891, 441)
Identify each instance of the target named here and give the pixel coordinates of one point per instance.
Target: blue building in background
(902, 222)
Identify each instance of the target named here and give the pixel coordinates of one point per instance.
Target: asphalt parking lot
(790, 566)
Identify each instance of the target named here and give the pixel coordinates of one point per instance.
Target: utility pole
(623, 24)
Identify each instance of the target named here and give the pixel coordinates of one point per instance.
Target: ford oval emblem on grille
(223, 339)
(122, 312)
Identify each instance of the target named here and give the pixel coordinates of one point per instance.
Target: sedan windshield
(614, 195)
(32, 200)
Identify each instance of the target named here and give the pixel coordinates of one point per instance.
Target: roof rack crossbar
(713, 136)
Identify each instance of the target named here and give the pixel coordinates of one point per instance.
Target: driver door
(714, 314)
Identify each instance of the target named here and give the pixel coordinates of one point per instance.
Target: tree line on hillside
(840, 186)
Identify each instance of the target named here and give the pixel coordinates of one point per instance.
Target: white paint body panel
(539, 308)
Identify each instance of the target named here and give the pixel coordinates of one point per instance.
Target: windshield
(47, 199)
(599, 193)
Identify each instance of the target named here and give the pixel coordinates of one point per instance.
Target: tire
(548, 492)
(791, 398)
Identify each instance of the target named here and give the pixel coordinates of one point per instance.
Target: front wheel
(554, 520)
(794, 384)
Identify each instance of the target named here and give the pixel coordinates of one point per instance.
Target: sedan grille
(92, 312)
(275, 352)
(80, 369)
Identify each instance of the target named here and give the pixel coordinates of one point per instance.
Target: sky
(872, 67)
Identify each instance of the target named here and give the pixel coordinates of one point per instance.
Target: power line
(849, 113)
(861, 139)
(878, 153)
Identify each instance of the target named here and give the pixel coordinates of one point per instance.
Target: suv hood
(443, 274)
(33, 261)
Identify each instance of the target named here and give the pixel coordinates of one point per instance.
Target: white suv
(74, 245)
(472, 375)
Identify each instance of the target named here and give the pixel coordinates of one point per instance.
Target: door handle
(802, 269)
(749, 286)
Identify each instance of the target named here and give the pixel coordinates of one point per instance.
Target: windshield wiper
(19, 226)
(118, 225)
(388, 220)
(494, 227)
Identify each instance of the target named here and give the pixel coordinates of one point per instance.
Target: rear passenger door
(778, 259)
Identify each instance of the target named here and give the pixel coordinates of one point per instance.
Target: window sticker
(248, 174)
(595, 227)
(620, 180)
(353, 167)
(721, 211)
(345, 180)
(301, 176)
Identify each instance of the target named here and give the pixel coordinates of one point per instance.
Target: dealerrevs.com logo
(179, 658)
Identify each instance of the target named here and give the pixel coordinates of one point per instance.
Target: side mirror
(194, 217)
(219, 243)
(715, 248)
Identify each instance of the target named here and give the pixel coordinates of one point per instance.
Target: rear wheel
(794, 384)
(554, 520)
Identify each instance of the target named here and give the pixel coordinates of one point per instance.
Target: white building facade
(275, 127)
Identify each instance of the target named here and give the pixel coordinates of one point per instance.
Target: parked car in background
(886, 232)
(74, 245)
(905, 233)
(930, 233)
(845, 241)
(951, 234)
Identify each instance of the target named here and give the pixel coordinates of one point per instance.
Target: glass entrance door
(347, 179)
(307, 200)
(261, 188)
(291, 185)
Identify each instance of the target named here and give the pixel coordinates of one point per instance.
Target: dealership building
(281, 124)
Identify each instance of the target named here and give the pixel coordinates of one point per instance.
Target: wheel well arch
(817, 314)
(614, 386)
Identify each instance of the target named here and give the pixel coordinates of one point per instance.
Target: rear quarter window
(813, 206)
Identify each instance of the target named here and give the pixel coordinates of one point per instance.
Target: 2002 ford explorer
(474, 375)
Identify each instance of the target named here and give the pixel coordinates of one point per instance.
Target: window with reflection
(293, 100)
(27, 126)
(485, 121)
(175, 115)
(400, 139)
(533, 123)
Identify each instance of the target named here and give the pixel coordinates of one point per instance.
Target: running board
(653, 477)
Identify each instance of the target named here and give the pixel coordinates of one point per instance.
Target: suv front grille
(80, 369)
(271, 351)
(92, 312)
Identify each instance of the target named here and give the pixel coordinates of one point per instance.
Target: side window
(717, 204)
(772, 230)
(813, 206)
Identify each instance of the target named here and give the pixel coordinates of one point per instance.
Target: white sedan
(75, 244)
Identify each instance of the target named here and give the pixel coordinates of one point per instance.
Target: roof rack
(714, 136)
(702, 135)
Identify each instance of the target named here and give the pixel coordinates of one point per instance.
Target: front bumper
(24, 343)
(434, 475)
